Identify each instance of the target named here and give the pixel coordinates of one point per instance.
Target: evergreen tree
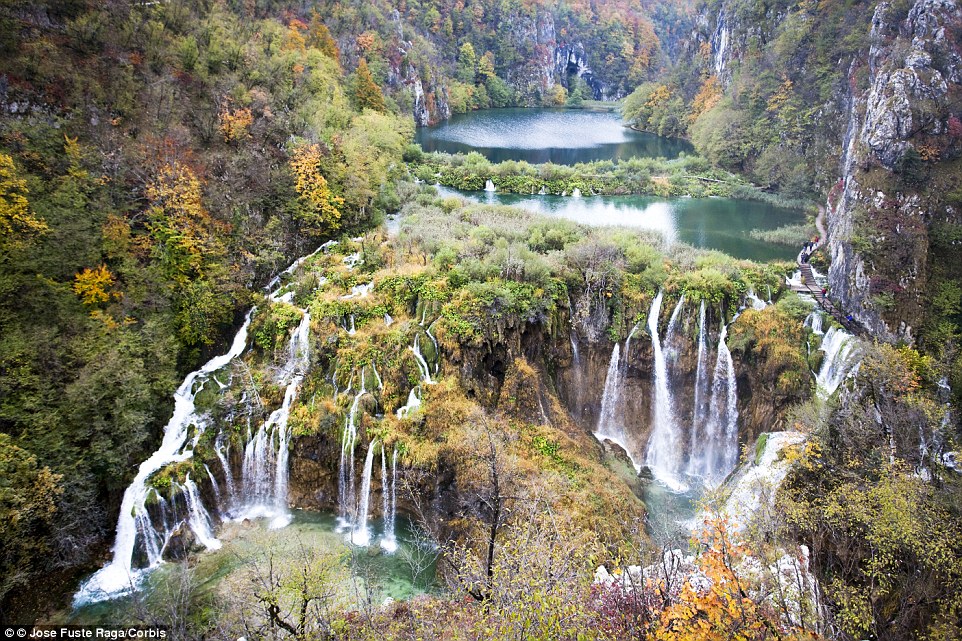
(367, 95)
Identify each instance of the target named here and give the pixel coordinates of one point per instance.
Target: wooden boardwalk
(811, 287)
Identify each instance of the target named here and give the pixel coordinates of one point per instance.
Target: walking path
(811, 287)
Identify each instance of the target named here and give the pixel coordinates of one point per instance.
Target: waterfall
(133, 522)
(727, 406)
(389, 540)
(543, 191)
(434, 342)
(664, 448)
(214, 486)
(576, 193)
(412, 404)
(199, 519)
(700, 410)
(610, 426)
(718, 450)
(345, 476)
(360, 533)
(119, 575)
(671, 337)
(814, 320)
(839, 347)
(757, 303)
(489, 186)
(422, 364)
(265, 469)
(220, 448)
(628, 340)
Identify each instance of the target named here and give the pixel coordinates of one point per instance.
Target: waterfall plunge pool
(214, 575)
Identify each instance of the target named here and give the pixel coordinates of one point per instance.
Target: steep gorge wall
(886, 130)
(879, 226)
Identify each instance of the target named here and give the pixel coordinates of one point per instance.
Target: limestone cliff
(879, 221)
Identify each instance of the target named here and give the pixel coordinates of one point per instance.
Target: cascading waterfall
(119, 575)
(839, 348)
(412, 404)
(702, 398)
(628, 340)
(345, 476)
(215, 487)
(717, 453)
(389, 540)
(265, 469)
(360, 533)
(757, 303)
(671, 346)
(422, 364)
(664, 446)
(814, 320)
(220, 448)
(134, 524)
(610, 426)
(198, 518)
(489, 186)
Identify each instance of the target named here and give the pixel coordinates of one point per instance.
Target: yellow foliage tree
(317, 206)
(660, 95)
(93, 285)
(235, 123)
(186, 234)
(707, 97)
(17, 225)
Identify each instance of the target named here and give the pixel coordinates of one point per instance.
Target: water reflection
(546, 135)
(710, 223)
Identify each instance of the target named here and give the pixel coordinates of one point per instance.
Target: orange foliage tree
(235, 123)
(718, 604)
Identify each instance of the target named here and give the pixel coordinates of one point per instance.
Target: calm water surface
(546, 135)
(709, 223)
(400, 575)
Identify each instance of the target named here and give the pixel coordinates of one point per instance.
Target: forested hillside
(551, 428)
(158, 163)
(440, 57)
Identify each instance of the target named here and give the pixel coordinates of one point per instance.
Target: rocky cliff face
(572, 60)
(892, 106)
(913, 65)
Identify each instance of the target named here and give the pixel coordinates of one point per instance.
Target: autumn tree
(18, 226)
(486, 66)
(316, 208)
(185, 234)
(722, 600)
(367, 95)
(320, 37)
(93, 286)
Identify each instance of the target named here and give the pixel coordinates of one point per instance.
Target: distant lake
(561, 136)
(710, 223)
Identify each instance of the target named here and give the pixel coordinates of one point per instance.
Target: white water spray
(664, 446)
